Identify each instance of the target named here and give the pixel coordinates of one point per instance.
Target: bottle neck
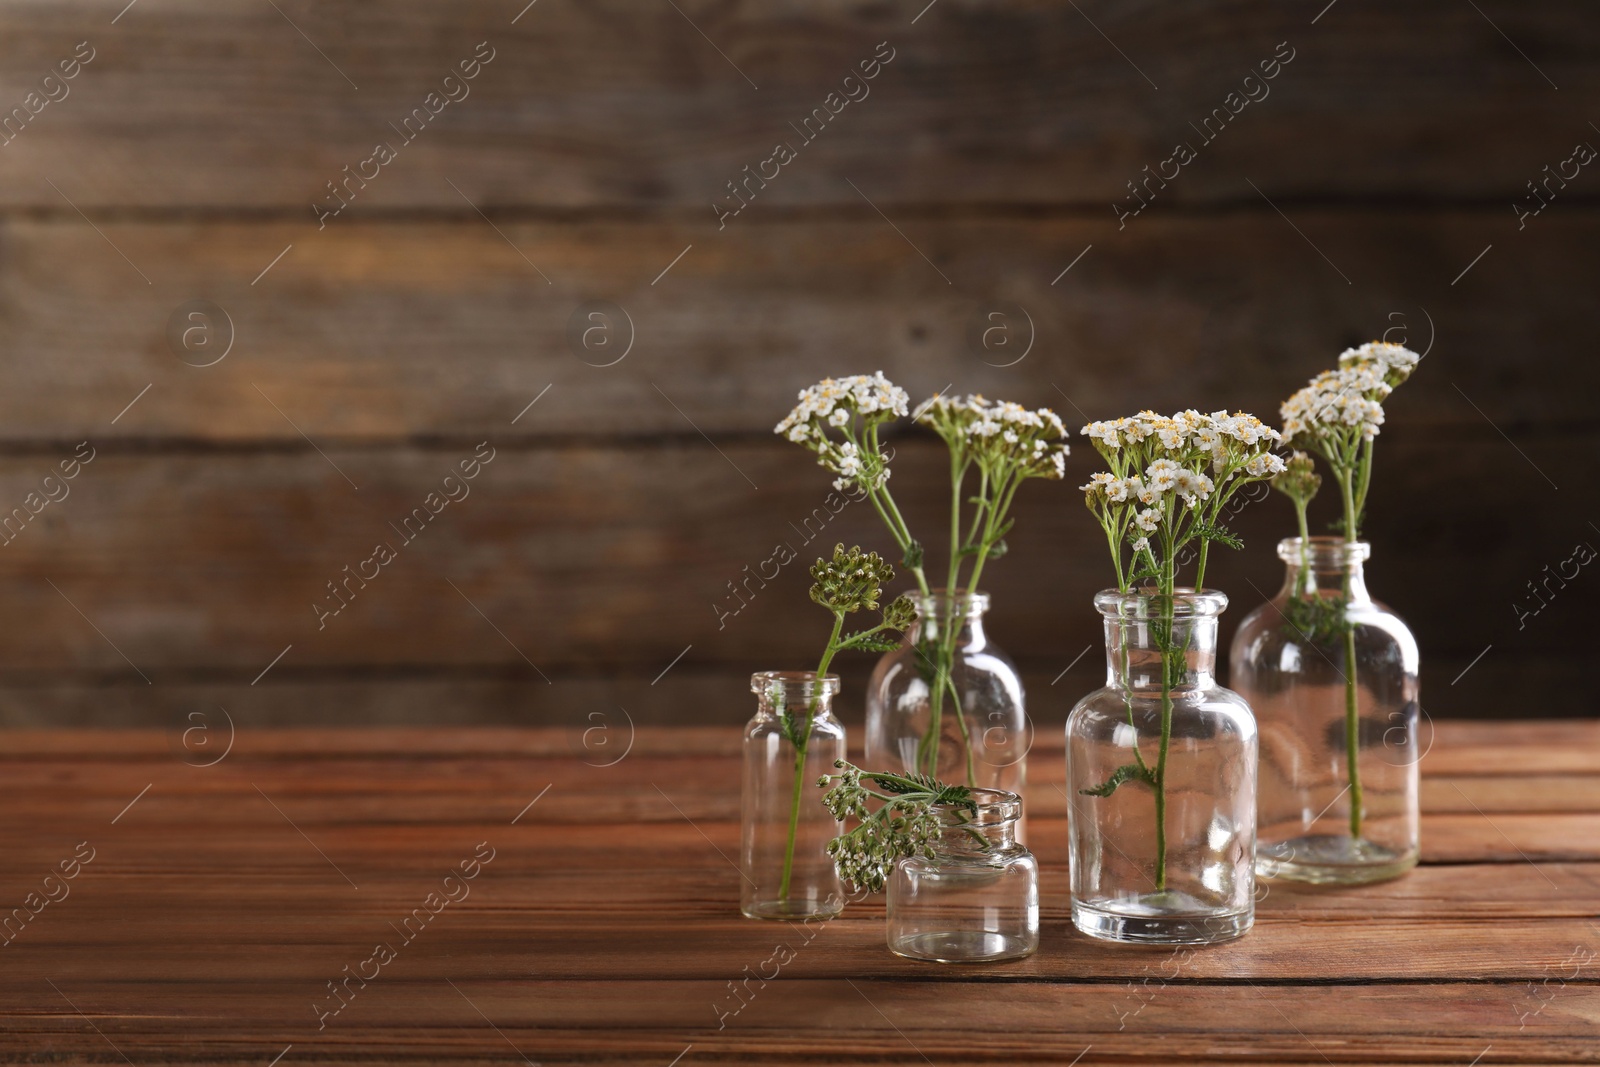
(1139, 652)
(956, 616)
(1325, 567)
(978, 834)
(1156, 642)
(800, 693)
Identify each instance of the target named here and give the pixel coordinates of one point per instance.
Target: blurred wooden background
(1372, 190)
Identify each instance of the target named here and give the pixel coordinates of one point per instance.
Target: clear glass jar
(947, 702)
(1165, 855)
(787, 872)
(977, 900)
(1332, 677)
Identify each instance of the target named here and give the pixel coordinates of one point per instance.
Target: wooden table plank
(220, 904)
(1506, 747)
(813, 1021)
(502, 940)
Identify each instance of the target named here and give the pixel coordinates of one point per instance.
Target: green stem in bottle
(1164, 642)
(1352, 730)
(928, 744)
(801, 744)
(1352, 720)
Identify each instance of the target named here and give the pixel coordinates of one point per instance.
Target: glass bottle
(1162, 848)
(947, 702)
(977, 899)
(1332, 677)
(785, 830)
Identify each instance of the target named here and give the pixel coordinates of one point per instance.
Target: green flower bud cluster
(901, 613)
(906, 823)
(1299, 480)
(850, 581)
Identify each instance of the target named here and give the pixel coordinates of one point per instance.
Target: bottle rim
(996, 807)
(1186, 603)
(798, 683)
(944, 604)
(1324, 552)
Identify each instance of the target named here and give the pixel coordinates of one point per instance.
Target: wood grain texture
(431, 311)
(596, 567)
(416, 331)
(624, 104)
(218, 905)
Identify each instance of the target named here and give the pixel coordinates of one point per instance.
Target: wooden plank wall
(1370, 186)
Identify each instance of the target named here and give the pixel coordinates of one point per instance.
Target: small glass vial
(785, 830)
(977, 899)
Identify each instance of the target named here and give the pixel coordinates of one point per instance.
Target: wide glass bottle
(1332, 677)
(1161, 774)
(785, 830)
(947, 702)
(977, 899)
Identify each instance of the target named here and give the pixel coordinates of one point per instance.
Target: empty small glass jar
(977, 900)
(787, 872)
(947, 702)
(1161, 768)
(1332, 677)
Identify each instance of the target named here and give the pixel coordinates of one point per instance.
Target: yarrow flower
(1348, 399)
(855, 406)
(1395, 362)
(1170, 477)
(1338, 417)
(1299, 480)
(850, 581)
(1000, 436)
(1195, 487)
(1340, 413)
(840, 421)
(910, 819)
(1159, 462)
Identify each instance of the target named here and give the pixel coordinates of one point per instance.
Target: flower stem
(801, 744)
(1352, 730)
(1166, 644)
(1352, 720)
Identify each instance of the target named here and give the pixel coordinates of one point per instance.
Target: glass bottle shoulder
(1283, 631)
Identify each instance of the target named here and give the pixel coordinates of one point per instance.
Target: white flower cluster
(835, 400)
(835, 403)
(1001, 435)
(1396, 362)
(1160, 461)
(1161, 479)
(1348, 400)
(1224, 439)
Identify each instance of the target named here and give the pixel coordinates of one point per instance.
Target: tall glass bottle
(948, 702)
(1161, 772)
(785, 830)
(1332, 677)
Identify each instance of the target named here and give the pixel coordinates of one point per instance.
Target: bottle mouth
(996, 807)
(947, 604)
(1184, 603)
(794, 684)
(1323, 553)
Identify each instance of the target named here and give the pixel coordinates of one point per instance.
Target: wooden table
(220, 902)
